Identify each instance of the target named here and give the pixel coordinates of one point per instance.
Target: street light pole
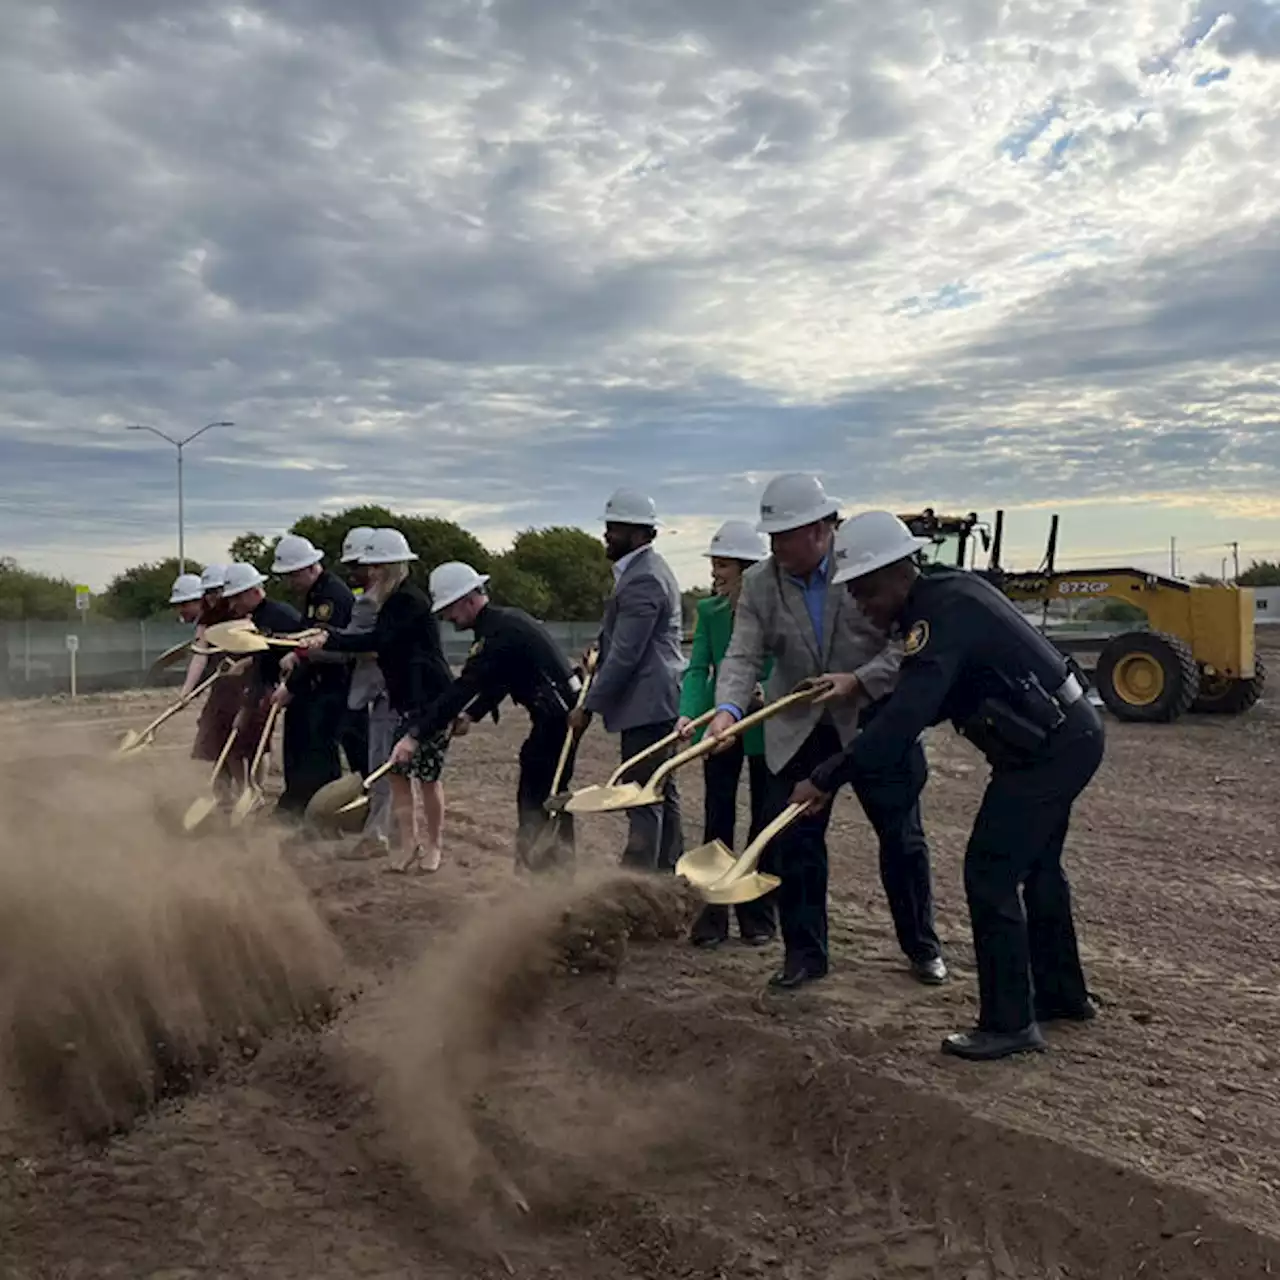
(179, 445)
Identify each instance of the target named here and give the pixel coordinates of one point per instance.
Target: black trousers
(655, 833)
(1019, 899)
(798, 855)
(312, 728)
(721, 774)
(539, 755)
(355, 740)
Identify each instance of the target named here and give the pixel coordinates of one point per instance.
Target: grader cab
(1195, 653)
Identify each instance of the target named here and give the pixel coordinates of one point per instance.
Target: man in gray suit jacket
(636, 688)
(788, 610)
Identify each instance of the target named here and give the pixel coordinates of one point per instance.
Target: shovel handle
(252, 778)
(223, 754)
(708, 745)
(653, 749)
(568, 737)
(185, 701)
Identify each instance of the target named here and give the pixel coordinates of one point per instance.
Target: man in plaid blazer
(790, 612)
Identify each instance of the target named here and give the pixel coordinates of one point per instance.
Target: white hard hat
(186, 588)
(386, 546)
(737, 540)
(869, 542)
(294, 552)
(241, 578)
(213, 577)
(450, 581)
(354, 543)
(627, 506)
(793, 500)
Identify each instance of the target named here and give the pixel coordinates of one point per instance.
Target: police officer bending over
(513, 656)
(970, 657)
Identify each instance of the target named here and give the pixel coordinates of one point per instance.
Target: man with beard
(636, 687)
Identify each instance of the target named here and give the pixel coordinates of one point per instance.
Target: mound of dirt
(131, 960)
(467, 1014)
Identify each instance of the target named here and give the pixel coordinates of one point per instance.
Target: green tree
(511, 585)
(35, 596)
(574, 567)
(1261, 573)
(143, 591)
(254, 549)
(327, 532)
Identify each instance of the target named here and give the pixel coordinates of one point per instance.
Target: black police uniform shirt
(964, 642)
(329, 604)
(271, 617)
(513, 656)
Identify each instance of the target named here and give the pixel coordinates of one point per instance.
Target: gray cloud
(493, 260)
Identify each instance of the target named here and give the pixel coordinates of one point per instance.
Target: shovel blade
(250, 800)
(333, 797)
(623, 795)
(198, 813)
(703, 866)
(743, 889)
(556, 803)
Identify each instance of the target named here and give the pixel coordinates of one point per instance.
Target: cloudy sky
(491, 258)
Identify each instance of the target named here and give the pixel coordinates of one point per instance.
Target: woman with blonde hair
(406, 639)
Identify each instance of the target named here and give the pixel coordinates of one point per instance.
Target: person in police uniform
(314, 693)
(970, 657)
(513, 656)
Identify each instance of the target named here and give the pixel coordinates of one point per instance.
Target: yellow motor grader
(1196, 652)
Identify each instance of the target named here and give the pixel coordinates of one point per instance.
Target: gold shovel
(134, 740)
(727, 881)
(342, 796)
(202, 807)
(614, 795)
(240, 635)
(547, 841)
(252, 798)
(584, 801)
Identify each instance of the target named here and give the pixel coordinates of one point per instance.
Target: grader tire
(1147, 676)
(1230, 697)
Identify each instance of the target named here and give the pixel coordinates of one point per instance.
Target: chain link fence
(36, 657)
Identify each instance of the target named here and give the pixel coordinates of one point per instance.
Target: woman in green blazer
(735, 547)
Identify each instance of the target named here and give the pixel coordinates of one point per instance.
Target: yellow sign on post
(82, 598)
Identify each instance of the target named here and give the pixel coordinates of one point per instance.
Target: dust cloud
(134, 958)
(482, 1100)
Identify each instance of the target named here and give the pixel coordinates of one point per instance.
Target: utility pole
(179, 445)
(1173, 557)
(1235, 557)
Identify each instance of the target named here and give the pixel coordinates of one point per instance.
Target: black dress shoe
(757, 939)
(707, 941)
(932, 972)
(789, 979)
(1068, 1013)
(987, 1046)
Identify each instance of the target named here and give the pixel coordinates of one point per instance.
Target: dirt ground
(660, 1113)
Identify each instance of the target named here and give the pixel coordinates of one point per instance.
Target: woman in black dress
(406, 639)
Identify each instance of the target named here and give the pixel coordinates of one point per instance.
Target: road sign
(82, 597)
(73, 643)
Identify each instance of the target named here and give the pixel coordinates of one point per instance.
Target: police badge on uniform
(323, 611)
(475, 648)
(916, 639)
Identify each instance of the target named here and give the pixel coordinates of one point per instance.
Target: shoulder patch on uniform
(917, 638)
(324, 611)
(475, 648)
